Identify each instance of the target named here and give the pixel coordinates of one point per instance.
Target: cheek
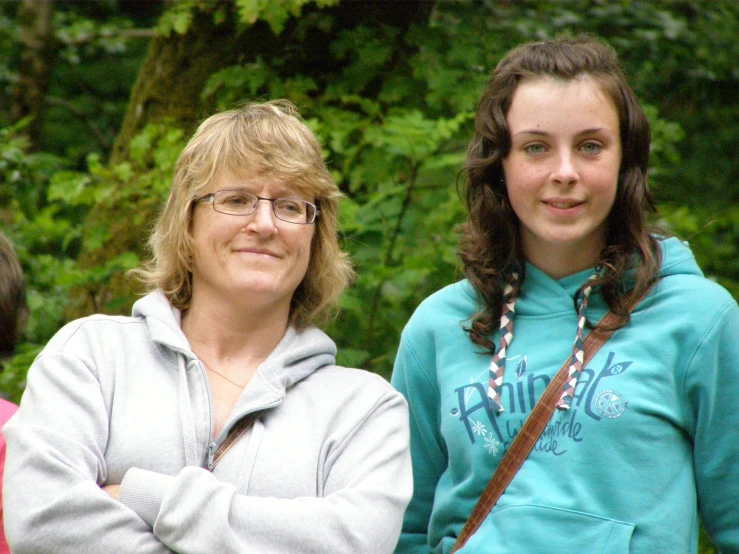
(307, 248)
(521, 178)
(520, 193)
(608, 190)
(302, 245)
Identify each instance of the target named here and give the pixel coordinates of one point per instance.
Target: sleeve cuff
(143, 492)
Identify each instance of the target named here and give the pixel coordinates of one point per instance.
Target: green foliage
(13, 375)
(23, 176)
(180, 14)
(50, 229)
(666, 135)
(8, 38)
(275, 13)
(97, 52)
(401, 212)
(80, 37)
(394, 110)
(29, 222)
(714, 237)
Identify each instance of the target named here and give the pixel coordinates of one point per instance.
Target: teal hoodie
(652, 437)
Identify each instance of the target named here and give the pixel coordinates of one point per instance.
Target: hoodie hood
(677, 259)
(163, 321)
(543, 296)
(296, 356)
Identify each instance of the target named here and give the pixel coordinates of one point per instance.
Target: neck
(224, 334)
(560, 271)
(559, 261)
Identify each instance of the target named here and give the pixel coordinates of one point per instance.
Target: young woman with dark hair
(646, 436)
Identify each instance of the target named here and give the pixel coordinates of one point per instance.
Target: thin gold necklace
(222, 375)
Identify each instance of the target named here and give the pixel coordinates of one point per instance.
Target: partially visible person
(13, 315)
(13, 306)
(215, 419)
(646, 435)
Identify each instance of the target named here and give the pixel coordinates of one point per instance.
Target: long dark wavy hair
(490, 247)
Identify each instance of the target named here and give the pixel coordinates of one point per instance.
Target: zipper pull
(212, 447)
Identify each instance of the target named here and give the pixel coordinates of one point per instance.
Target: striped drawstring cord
(497, 365)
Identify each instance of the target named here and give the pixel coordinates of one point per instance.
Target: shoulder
(349, 394)
(94, 330)
(451, 297)
(352, 383)
(342, 400)
(682, 284)
(693, 291)
(690, 310)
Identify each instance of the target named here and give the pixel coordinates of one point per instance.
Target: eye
(290, 206)
(235, 198)
(591, 147)
(534, 149)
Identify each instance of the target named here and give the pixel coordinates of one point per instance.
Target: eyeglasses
(239, 202)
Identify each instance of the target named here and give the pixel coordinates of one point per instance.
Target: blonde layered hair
(271, 140)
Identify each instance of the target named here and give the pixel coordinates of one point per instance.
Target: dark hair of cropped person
(13, 306)
(490, 247)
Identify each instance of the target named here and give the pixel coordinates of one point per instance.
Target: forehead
(272, 185)
(546, 103)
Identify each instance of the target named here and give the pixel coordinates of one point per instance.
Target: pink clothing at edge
(7, 409)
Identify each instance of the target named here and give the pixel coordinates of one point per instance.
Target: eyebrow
(282, 192)
(541, 133)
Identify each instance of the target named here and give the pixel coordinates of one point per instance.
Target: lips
(261, 251)
(562, 204)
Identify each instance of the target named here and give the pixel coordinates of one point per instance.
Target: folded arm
(52, 498)
(366, 490)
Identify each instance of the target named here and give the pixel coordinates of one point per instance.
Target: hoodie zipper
(226, 434)
(213, 445)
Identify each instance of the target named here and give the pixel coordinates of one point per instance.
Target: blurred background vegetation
(98, 98)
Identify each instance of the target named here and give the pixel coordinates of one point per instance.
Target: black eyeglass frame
(211, 197)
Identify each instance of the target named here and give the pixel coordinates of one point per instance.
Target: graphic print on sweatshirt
(596, 397)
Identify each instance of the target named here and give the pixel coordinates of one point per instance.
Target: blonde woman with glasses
(215, 419)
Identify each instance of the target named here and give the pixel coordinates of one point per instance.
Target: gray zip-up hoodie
(324, 468)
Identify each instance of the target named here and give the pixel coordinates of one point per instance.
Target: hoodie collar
(297, 355)
(542, 295)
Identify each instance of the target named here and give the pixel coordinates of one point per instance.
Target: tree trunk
(175, 71)
(37, 57)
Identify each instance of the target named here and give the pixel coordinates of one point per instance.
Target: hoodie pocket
(544, 529)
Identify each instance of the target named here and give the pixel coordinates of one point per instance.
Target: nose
(565, 171)
(262, 220)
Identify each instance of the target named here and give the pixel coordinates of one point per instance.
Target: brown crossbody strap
(533, 427)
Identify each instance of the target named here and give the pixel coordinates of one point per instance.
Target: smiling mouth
(258, 252)
(563, 205)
